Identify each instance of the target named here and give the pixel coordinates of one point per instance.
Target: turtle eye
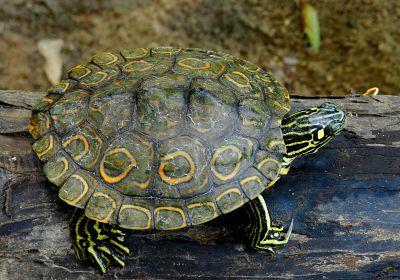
(335, 127)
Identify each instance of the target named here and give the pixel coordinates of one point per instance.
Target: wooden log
(344, 201)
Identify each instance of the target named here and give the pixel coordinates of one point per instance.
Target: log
(344, 201)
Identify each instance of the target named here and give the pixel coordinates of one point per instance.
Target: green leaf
(311, 26)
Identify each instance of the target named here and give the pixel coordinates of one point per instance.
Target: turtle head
(306, 131)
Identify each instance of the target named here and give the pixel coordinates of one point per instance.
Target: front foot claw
(98, 243)
(274, 239)
(276, 236)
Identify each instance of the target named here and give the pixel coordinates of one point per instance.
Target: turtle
(165, 138)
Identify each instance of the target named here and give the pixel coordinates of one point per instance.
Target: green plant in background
(311, 26)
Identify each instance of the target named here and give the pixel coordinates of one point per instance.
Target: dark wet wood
(345, 202)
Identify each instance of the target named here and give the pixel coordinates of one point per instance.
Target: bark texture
(345, 202)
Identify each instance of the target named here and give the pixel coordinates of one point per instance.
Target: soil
(360, 40)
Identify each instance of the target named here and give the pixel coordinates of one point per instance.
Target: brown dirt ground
(360, 39)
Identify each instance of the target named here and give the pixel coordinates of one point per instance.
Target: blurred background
(359, 40)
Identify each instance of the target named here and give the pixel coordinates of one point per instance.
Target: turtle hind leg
(262, 233)
(97, 243)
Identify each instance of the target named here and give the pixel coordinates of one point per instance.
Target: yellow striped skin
(306, 131)
(97, 243)
(166, 138)
(263, 233)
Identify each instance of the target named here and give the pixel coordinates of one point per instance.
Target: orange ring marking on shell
(88, 71)
(223, 67)
(200, 204)
(100, 141)
(66, 85)
(104, 76)
(65, 161)
(114, 58)
(47, 125)
(143, 185)
(149, 66)
(142, 209)
(234, 190)
(115, 179)
(261, 163)
(205, 66)
(84, 191)
(229, 77)
(175, 209)
(49, 148)
(113, 205)
(85, 145)
(251, 178)
(237, 166)
(137, 56)
(174, 181)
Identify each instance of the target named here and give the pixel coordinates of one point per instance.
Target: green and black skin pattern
(167, 138)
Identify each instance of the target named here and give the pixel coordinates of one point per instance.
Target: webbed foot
(263, 234)
(98, 243)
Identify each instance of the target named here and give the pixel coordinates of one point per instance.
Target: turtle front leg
(98, 243)
(262, 233)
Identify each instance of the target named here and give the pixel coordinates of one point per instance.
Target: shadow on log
(345, 202)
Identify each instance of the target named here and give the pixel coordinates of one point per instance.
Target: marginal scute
(134, 53)
(165, 51)
(229, 197)
(103, 205)
(160, 103)
(208, 116)
(81, 71)
(99, 78)
(59, 168)
(202, 208)
(273, 141)
(70, 111)
(247, 66)
(78, 188)
(136, 213)
(46, 146)
(84, 146)
(183, 169)
(268, 164)
(230, 157)
(62, 87)
(253, 183)
(39, 124)
(46, 102)
(169, 215)
(106, 59)
(127, 164)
